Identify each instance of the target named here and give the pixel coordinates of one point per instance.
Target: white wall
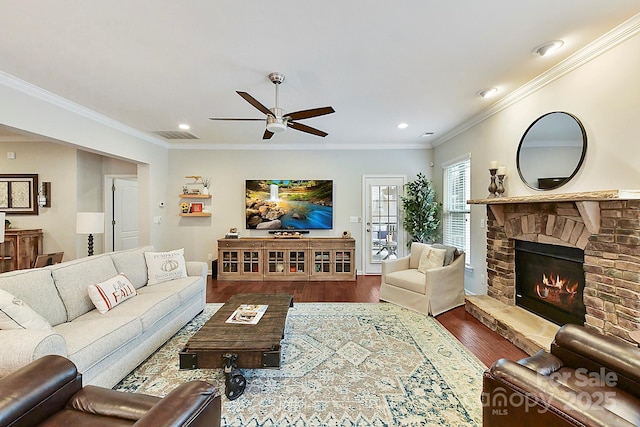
(603, 93)
(26, 107)
(229, 169)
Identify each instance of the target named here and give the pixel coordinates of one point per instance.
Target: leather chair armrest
(34, 392)
(542, 362)
(582, 347)
(529, 398)
(111, 403)
(192, 404)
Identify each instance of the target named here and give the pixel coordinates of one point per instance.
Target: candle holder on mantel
(493, 187)
(500, 189)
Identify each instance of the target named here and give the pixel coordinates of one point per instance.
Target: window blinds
(456, 211)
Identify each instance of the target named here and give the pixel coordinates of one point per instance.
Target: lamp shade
(2, 218)
(90, 223)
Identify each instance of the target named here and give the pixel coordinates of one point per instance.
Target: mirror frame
(578, 166)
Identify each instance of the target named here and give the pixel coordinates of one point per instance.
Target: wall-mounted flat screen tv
(289, 204)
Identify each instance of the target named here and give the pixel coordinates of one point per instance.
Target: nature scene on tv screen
(289, 204)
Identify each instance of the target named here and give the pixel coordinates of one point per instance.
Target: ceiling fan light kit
(276, 118)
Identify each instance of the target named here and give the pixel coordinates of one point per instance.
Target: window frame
(465, 209)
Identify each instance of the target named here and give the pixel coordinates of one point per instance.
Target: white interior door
(123, 233)
(383, 235)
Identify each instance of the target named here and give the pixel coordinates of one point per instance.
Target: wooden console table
(269, 258)
(20, 249)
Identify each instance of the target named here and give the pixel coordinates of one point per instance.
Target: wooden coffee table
(256, 346)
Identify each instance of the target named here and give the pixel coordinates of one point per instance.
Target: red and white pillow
(112, 292)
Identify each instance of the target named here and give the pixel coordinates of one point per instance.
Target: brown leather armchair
(49, 392)
(588, 379)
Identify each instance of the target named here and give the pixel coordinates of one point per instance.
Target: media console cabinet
(269, 258)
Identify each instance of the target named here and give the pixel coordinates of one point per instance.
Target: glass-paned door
(384, 236)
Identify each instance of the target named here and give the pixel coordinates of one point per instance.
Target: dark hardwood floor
(485, 344)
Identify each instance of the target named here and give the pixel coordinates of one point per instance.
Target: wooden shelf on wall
(195, 196)
(203, 214)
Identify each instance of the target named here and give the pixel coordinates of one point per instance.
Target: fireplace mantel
(586, 202)
(595, 196)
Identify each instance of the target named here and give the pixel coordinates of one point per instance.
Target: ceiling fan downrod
(276, 123)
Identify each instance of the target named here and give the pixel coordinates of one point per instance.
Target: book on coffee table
(247, 314)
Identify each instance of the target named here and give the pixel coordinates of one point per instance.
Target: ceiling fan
(277, 119)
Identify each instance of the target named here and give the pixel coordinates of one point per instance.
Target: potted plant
(422, 213)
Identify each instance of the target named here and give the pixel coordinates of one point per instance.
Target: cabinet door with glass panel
(286, 258)
(332, 259)
(239, 258)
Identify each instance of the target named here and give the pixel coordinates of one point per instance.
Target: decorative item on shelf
(90, 223)
(196, 207)
(184, 207)
(287, 235)
(493, 187)
(232, 234)
(188, 189)
(502, 172)
(206, 183)
(346, 234)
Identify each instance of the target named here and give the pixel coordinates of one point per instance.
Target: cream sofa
(432, 292)
(104, 347)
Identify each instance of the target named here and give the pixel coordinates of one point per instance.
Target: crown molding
(34, 91)
(621, 33)
(292, 147)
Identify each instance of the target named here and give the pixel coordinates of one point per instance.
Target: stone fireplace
(603, 225)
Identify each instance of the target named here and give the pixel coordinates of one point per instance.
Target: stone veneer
(606, 225)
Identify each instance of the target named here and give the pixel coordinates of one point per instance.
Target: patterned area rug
(343, 364)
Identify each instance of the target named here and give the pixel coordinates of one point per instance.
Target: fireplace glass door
(550, 281)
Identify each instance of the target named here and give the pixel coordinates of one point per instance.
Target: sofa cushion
(93, 336)
(451, 254)
(108, 294)
(186, 288)
(15, 314)
(36, 288)
(431, 258)
(411, 280)
(133, 264)
(164, 266)
(416, 252)
(149, 308)
(72, 279)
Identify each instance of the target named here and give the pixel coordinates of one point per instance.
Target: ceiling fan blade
(251, 100)
(267, 134)
(314, 112)
(230, 118)
(307, 129)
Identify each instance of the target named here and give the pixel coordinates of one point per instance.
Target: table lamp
(90, 223)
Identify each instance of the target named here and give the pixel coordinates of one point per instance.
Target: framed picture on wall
(196, 207)
(19, 194)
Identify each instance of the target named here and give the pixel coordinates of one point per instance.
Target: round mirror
(551, 151)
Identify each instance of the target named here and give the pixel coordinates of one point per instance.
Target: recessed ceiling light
(487, 93)
(547, 48)
(426, 134)
(403, 126)
(184, 126)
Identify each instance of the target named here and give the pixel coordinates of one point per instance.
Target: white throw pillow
(15, 314)
(431, 258)
(112, 292)
(164, 266)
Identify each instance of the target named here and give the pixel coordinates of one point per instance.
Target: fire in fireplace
(550, 281)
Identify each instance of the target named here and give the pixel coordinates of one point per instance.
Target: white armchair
(432, 292)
